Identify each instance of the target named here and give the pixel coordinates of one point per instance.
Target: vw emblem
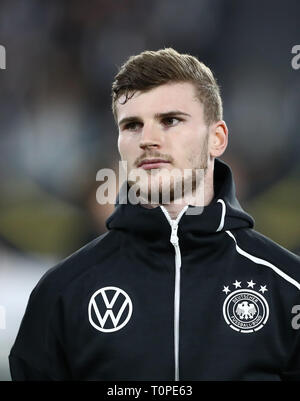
(110, 309)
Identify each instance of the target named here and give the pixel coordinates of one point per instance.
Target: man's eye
(132, 126)
(170, 121)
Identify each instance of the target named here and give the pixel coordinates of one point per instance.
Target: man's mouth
(148, 164)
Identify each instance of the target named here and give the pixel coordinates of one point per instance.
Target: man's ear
(218, 138)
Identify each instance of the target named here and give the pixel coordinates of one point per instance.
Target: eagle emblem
(245, 310)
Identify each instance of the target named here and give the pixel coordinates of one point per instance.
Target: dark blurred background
(57, 130)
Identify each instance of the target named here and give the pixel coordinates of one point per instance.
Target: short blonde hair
(150, 69)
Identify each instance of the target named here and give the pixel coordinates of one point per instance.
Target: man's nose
(150, 137)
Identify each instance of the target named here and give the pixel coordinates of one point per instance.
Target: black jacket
(213, 304)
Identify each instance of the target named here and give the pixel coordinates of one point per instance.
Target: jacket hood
(223, 213)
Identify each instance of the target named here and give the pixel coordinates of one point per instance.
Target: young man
(167, 294)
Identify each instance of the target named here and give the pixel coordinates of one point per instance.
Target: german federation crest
(245, 310)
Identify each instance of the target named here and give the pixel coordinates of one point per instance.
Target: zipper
(174, 241)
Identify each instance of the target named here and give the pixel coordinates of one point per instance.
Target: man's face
(165, 123)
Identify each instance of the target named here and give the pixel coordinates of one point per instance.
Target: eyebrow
(157, 116)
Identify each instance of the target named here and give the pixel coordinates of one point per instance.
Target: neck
(208, 195)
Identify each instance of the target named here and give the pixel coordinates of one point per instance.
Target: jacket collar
(151, 225)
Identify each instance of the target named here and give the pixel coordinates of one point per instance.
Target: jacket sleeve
(39, 349)
(20, 370)
(292, 369)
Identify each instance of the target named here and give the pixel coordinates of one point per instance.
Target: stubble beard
(156, 191)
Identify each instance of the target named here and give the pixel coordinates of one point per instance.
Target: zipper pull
(174, 236)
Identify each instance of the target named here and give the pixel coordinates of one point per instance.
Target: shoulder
(59, 277)
(44, 300)
(263, 250)
(265, 246)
